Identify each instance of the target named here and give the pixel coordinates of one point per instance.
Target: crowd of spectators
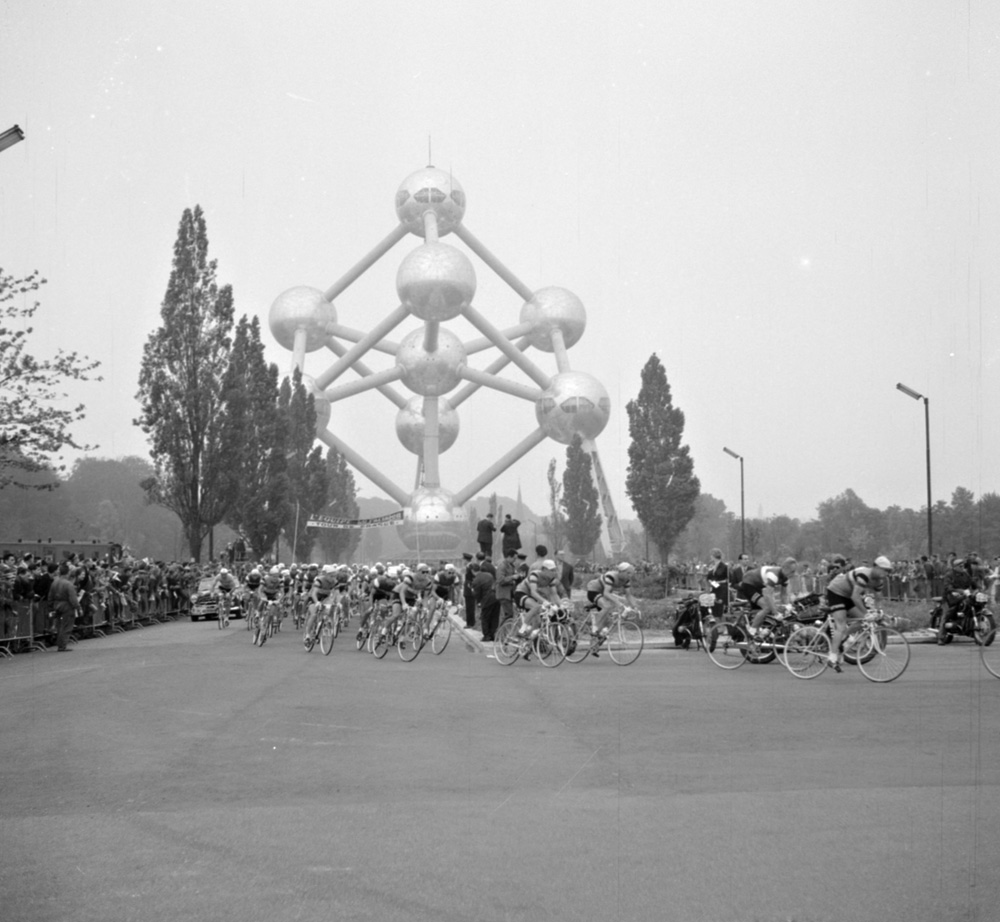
(920, 579)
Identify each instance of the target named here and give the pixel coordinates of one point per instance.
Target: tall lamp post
(927, 432)
(10, 137)
(743, 520)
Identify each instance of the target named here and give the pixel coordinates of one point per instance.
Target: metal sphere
(432, 521)
(550, 308)
(410, 425)
(297, 309)
(574, 403)
(323, 409)
(431, 374)
(436, 281)
(430, 189)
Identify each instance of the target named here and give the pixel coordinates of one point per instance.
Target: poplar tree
(660, 481)
(180, 388)
(580, 500)
(308, 480)
(255, 434)
(339, 543)
(555, 522)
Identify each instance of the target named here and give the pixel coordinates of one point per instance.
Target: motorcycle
(970, 617)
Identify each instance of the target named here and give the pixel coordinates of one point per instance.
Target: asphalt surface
(179, 773)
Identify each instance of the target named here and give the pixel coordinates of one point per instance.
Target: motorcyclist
(957, 581)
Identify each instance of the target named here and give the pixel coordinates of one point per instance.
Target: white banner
(330, 521)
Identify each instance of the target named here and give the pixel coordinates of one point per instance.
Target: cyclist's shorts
(519, 598)
(380, 596)
(751, 595)
(271, 596)
(835, 601)
(593, 595)
(443, 592)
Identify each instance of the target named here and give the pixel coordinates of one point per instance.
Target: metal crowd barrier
(25, 625)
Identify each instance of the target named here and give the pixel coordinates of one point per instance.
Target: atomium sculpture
(436, 282)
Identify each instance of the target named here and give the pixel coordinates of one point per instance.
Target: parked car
(204, 604)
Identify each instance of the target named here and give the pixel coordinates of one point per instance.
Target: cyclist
(412, 586)
(222, 589)
(342, 592)
(380, 589)
(270, 591)
(537, 588)
(253, 582)
(322, 585)
(603, 595)
(845, 596)
(758, 585)
(446, 583)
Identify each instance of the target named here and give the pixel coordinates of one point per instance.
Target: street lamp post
(10, 137)
(743, 520)
(927, 434)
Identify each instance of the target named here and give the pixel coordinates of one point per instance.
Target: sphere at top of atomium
(436, 281)
(320, 401)
(410, 425)
(301, 308)
(432, 520)
(551, 308)
(431, 373)
(430, 189)
(574, 403)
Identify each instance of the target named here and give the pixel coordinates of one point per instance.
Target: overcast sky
(794, 204)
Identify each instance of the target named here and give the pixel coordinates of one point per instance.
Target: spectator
(63, 601)
(566, 575)
(541, 552)
(483, 588)
(506, 580)
(510, 537)
(484, 535)
(468, 596)
(717, 574)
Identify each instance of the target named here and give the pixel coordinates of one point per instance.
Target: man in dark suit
(484, 535)
(566, 574)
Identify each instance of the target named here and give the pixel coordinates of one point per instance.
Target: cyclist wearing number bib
(758, 585)
(538, 587)
(845, 597)
(603, 594)
(322, 585)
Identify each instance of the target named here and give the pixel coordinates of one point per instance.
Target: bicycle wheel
(891, 654)
(550, 645)
(506, 646)
(441, 635)
(381, 641)
(361, 638)
(327, 634)
(309, 641)
(989, 653)
(985, 629)
(726, 645)
(578, 640)
(411, 639)
(625, 642)
(807, 652)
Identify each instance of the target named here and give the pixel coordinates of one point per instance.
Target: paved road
(179, 773)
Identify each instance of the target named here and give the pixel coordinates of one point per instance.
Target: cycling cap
(223, 572)
(275, 571)
(424, 567)
(624, 565)
(548, 564)
(883, 563)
